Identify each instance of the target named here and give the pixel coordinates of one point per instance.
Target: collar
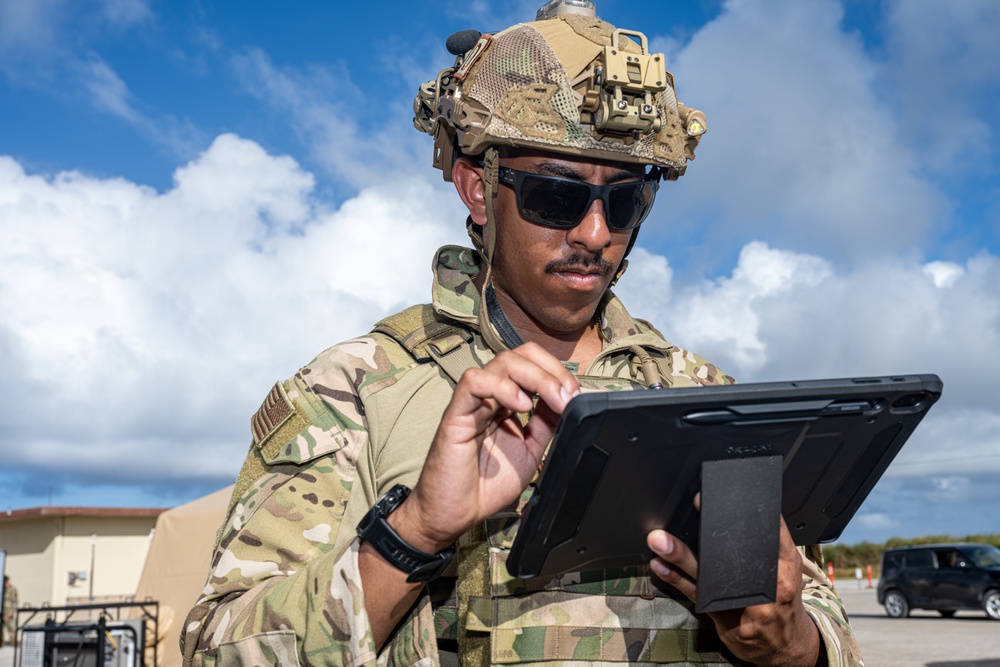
(455, 296)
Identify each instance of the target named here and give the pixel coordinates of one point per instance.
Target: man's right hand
(479, 462)
(482, 458)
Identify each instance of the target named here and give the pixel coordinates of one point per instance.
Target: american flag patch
(273, 412)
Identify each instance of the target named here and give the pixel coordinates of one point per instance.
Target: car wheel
(991, 604)
(947, 613)
(896, 605)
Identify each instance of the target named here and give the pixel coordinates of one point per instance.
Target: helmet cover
(569, 84)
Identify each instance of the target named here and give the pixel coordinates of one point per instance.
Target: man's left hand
(781, 633)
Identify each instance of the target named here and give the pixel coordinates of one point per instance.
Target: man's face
(556, 277)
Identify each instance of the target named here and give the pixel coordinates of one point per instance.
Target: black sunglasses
(562, 203)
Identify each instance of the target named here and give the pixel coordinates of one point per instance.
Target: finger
(674, 562)
(481, 394)
(673, 552)
(790, 582)
(786, 545)
(537, 373)
(540, 430)
(548, 362)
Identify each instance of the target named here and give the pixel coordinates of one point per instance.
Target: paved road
(925, 639)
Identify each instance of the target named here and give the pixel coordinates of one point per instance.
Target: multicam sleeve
(279, 590)
(827, 610)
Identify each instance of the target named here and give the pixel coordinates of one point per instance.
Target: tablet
(624, 463)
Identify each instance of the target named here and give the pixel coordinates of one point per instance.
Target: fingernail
(659, 568)
(566, 396)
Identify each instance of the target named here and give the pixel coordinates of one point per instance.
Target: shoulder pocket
(287, 430)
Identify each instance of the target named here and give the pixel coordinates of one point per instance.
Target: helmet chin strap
(497, 331)
(624, 265)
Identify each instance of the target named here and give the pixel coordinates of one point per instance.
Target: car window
(892, 561)
(984, 556)
(920, 558)
(947, 558)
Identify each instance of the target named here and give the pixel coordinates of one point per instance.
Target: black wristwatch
(375, 530)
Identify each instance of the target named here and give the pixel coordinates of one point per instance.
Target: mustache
(581, 262)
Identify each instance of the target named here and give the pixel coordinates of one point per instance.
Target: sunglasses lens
(554, 203)
(629, 204)
(562, 203)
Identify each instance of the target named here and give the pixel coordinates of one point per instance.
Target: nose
(592, 233)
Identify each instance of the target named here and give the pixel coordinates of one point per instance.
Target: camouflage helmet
(568, 83)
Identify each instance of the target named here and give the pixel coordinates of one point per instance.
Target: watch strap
(419, 566)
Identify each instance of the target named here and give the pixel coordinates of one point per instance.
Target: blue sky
(198, 197)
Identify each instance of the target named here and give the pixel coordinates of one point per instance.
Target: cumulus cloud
(800, 146)
(146, 327)
(783, 315)
(942, 64)
(143, 327)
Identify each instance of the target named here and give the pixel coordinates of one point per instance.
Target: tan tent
(177, 565)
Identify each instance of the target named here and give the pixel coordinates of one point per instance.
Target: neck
(579, 345)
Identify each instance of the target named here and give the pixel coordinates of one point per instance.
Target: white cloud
(800, 146)
(942, 62)
(782, 315)
(328, 111)
(107, 91)
(44, 31)
(723, 316)
(27, 25)
(146, 327)
(957, 442)
(52, 46)
(927, 505)
(154, 322)
(120, 14)
(944, 274)
(786, 314)
(876, 521)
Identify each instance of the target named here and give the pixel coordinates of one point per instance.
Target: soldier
(372, 518)
(9, 637)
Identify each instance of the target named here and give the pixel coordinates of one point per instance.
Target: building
(60, 556)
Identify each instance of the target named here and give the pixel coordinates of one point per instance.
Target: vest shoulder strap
(429, 337)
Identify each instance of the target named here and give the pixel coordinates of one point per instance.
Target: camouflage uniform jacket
(284, 586)
(9, 606)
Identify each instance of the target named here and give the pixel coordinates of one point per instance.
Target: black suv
(945, 577)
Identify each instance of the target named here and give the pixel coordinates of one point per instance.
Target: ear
(468, 179)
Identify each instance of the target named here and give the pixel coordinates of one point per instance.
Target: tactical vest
(488, 617)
